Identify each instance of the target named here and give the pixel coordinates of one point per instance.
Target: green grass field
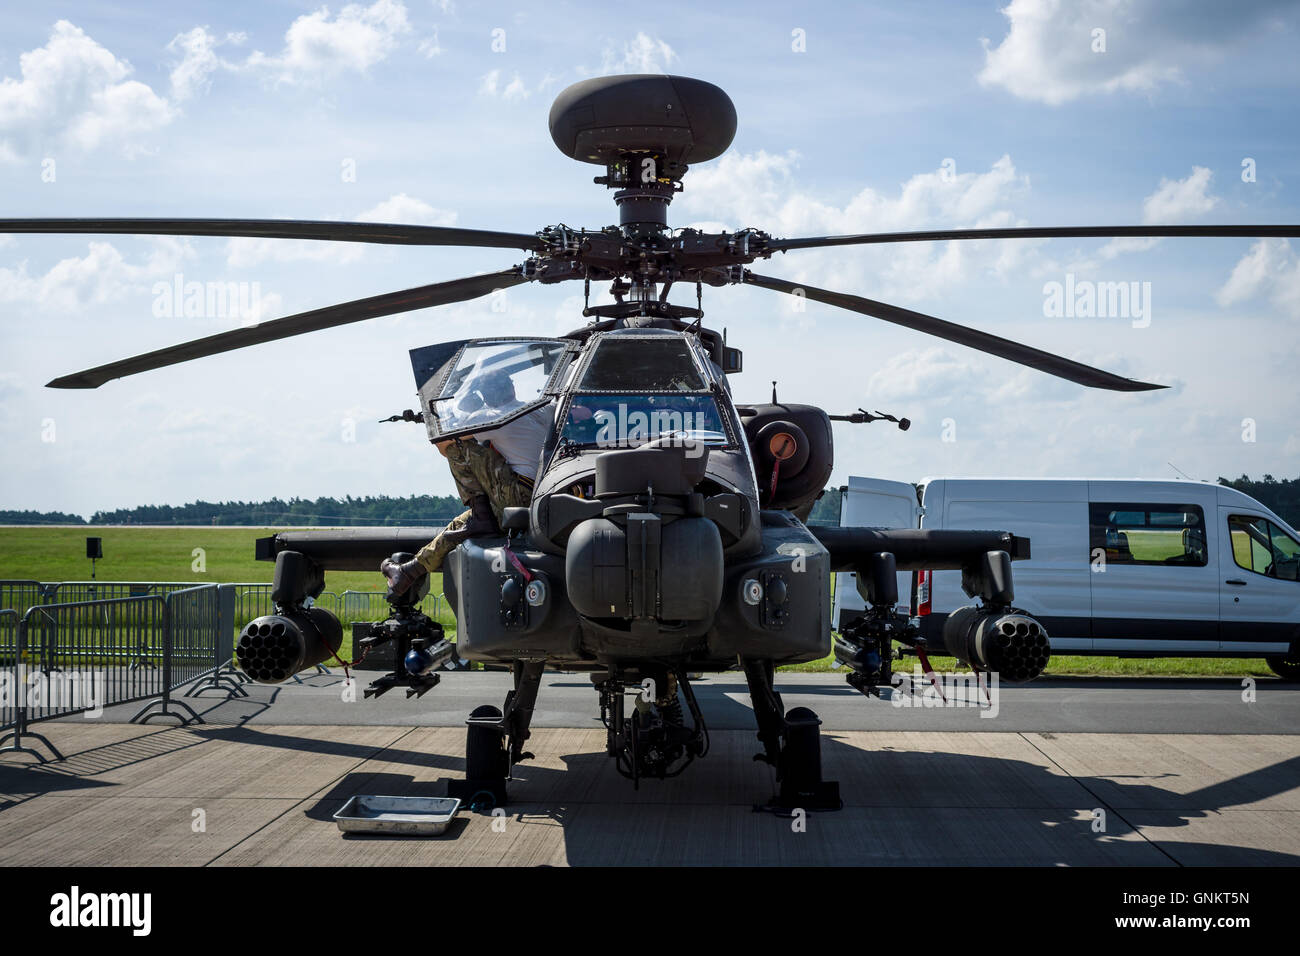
(155, 554)
(1078, 666)
(167, 554)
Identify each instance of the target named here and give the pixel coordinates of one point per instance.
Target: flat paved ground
(1062, 705)
(1111, 773)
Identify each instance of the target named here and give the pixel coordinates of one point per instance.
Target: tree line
(1282, 496)
(298, 512)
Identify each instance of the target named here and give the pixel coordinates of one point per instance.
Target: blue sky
(891, 117)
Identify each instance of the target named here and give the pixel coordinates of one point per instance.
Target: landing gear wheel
(1287, 668)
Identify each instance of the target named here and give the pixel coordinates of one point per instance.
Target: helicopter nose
(650, 558)
(646, 568)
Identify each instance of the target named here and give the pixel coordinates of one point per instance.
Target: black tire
(485, 748)
(1287, 668)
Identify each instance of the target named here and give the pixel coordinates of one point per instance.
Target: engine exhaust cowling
(274, 647)
(1007, 641)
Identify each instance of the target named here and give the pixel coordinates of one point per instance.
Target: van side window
(1260, 546)
(1135, 533)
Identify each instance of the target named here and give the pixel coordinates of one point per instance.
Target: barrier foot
(212, 682)
(17, 746)
(143, 715)
(226, 684)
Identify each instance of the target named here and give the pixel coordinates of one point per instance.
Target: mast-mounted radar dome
(607, 119)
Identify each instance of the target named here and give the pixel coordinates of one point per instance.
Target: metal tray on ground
(406, 816)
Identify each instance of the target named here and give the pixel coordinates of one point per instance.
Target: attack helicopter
(666, 536)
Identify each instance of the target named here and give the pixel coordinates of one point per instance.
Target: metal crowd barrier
(20, 595)
(77, 646)
(8, 668)
(371, 606)
(252, 599)
(81, 656)
(192, 645)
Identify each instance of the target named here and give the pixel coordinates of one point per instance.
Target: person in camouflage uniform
(480, 473)
(487, 482)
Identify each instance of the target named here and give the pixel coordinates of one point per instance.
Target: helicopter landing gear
(655, 741)
(791, 744)
(494, 740)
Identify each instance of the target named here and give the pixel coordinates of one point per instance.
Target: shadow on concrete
(930, 791)
(22, 782)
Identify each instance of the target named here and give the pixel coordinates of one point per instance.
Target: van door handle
(1237, 581)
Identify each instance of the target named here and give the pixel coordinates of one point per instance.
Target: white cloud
(198, 61)
(513, 91)
(430, 47)
(934, 374)
(1174, 201)
(244, 251)
(1270, 269)
(402, 208)
(101, 276)
(642, 54)
(198, 48)
(759, 190)
(1048, 53)
(75, 92)
(1126, 244)
(316, 45)
(1177, 200)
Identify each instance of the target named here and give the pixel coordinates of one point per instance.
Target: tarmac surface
(1069, 772)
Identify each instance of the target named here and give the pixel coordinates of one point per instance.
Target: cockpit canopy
(618, 388)
(480, 384)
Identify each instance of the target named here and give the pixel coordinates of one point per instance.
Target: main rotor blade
(1035, 232)
(962, 335)
(390, 303)
(381, 232)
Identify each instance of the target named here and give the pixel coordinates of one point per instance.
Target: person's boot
(401, 577)
(481, 521)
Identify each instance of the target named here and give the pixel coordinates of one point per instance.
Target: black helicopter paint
(666, 532)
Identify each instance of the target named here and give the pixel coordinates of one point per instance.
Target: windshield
(622, 421)
(653, 364)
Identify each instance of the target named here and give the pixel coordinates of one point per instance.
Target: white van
(1119, 567)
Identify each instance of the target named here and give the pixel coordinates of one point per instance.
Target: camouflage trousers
(477, 469)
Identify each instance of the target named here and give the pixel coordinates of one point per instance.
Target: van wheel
(1287, 668)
